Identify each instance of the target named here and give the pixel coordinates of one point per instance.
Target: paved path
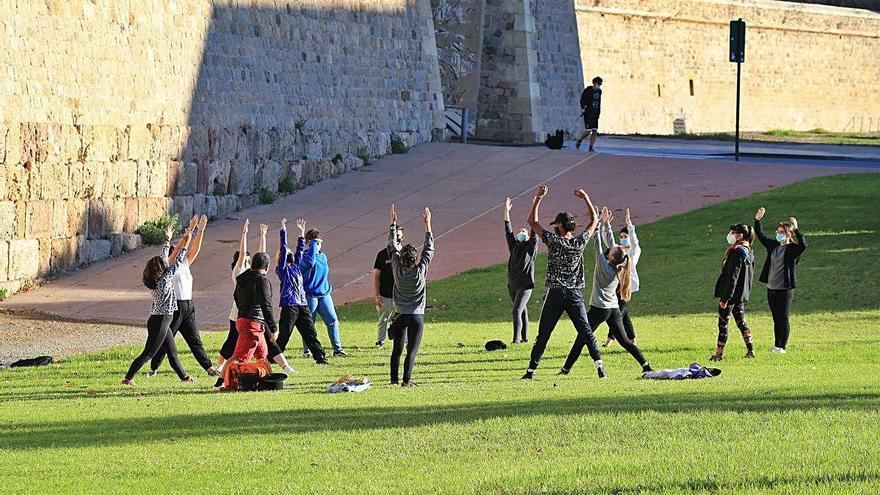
(463, 184)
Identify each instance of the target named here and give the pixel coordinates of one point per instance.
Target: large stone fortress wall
(113, 113)
(807, 66)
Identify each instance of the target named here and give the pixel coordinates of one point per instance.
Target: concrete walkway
(463, 184)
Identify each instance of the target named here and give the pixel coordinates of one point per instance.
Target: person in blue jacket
(316, 282)
(294, 308)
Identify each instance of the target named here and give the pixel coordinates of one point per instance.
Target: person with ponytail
(630, 244)
(410, 280)
(780, 273)
(523, 247)
(733, 287)
(612, 279)
(159, 278)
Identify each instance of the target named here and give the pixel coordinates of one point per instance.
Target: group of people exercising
(399, 282)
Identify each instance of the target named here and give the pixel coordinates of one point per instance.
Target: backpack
(244, 376)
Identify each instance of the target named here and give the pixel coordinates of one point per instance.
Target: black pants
(184, 321)
(611, 316)
(228, 347)
(520, 298)
(627, 322)
(405, 330)
(158, 337)
(780, 307)
(301, 318)
(557, 301)
(739, 315)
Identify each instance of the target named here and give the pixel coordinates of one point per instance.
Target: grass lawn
(804, 422)
(814, 136)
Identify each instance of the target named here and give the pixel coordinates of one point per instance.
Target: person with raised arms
(522, 249)
(629, 242)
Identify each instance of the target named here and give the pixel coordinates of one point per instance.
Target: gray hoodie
(604, 281)
(409, 285)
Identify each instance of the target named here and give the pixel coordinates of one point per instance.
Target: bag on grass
(694, 371)
(37, 361)
(495, 345)
(244, 376)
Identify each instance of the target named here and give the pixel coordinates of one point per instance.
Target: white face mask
(731, 239)
(522, 236)
(780, 237)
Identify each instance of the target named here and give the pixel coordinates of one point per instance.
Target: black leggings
(623, 306)
(739, 315)
(228, 347)
(597, 316)
(405, 330)
(301, 317)
(184, 321)
(158, 335)
(520, 298)
(780, 307)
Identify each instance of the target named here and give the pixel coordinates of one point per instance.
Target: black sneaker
(601, 371)
(307, 355)
(646, 368)
(153, 373)
(716, 357)
(339, 354)
(322, 361)
(529, 375)
(591, 150)
(563, 371)
(379, 345)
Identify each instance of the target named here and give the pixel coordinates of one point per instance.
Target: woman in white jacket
(630, 244)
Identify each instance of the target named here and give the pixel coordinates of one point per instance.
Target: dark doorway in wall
(691, 83)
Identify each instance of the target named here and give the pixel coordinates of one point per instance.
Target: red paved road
(463, 184)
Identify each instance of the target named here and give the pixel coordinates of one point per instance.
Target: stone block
(99, 143)
(24, 259)
(130, 242)
(196, 144)
(65, 254)
(126, 179)
(313, 146)
(294, 170)
(54, 180)
(169, 143)
(38, 220)
(158, 171)
(116, 244)
(352, 163)
(217, 176)
(60, 219)
(45, 257)
(151, 209)
(114, 216)
(268, 175)
(34, 141)
(96, 219)
(227, 205)
(3, 170)
(77, 216)
(12, 286)
(139, 142)
(87, 180)
(143, 179)
(96, 250)
(8, 220)
(210, 209)
(183, 208)
(187, 177)
(131, 216)
(122, 139)
(12, 147)
(380, 144)
(17, 178)
(241, 177)
(4, 261)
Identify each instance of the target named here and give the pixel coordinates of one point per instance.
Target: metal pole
(738, 72)
(464, 125)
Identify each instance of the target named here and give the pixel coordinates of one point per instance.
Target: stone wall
(807, 66)
(114, 113)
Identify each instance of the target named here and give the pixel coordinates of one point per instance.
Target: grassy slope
(803, 422)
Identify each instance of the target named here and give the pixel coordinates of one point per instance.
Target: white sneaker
(777, 350)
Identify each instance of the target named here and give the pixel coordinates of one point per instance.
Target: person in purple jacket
(294, 308)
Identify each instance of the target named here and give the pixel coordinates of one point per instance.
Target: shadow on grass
(125, 431)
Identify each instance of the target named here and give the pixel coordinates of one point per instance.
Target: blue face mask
(780, 237)
(522, 236)
(624, 241)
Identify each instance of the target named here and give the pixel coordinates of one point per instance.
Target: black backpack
(37, 361)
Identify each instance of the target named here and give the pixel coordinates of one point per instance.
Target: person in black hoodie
(734, 286)
(523, 247)
(780, 273)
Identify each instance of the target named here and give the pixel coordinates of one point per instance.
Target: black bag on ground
(37, 361)
(555, 141)
(495, 345)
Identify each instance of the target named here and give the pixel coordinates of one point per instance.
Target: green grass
(814, 136)
(804, 422)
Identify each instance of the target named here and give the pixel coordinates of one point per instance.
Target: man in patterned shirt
(565, 278)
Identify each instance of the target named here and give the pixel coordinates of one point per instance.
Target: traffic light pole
(738, 74)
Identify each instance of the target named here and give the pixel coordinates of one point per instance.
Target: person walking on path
(565, 279)
(184, 319)
(159, 278)
(522, 249)
(383, 290)
(629, 242)
(591, 105)
(612, 282)
(784, 252)
(316, 280)
(294, 309)
(733, 287)
(410, 282)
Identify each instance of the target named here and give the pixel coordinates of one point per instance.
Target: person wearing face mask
(591, 104)
(630, 244)
(565, 279)
(383, 290)
(316, 281)
(734, 286)
(780, 273)
(520, 273)
(612, 283)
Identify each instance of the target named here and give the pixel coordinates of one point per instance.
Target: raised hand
(793, 222)
(760, 213)
(393, 215)
(508, 204)
(263, 229)
(169, 232)
(283, 223)
(426, 217)
(628, 218)
(542, 190)
(244, 228)
(203, 222)
(193, 221)
(580, 193)
(301, 223)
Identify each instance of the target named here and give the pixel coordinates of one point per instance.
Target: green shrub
(219, 190)
(287, 185)
(267, 197)
(153, 231)
(336, 159)
(4, 293)
(398, 147)
(364, 154)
